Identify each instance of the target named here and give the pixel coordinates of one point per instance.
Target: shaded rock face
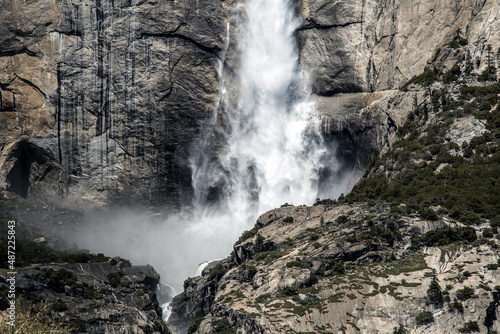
(110, 94)
(95, 297)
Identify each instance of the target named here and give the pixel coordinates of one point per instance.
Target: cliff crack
(13, 53)
(32, 85)
(122, 147)
(311, 24)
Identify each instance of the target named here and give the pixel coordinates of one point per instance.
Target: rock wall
(365, 45)
(109, 94)
(102, 101)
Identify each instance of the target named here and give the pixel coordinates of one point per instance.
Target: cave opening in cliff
(18, 178)
(30, 164)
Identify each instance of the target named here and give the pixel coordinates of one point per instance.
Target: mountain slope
(414, 248)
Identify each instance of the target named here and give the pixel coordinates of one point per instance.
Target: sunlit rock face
(353, 46)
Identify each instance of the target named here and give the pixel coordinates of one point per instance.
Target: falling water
(268, 151)
(273, 151)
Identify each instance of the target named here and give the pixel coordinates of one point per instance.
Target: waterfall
(273, 151)
(261, 148)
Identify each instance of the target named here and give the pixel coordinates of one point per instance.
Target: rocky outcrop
(333, 272)
(93, 297)
(362, 125)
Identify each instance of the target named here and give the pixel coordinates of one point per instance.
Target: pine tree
(488, 48)
(434, 293)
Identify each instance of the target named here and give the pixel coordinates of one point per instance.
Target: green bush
(90, 293)
(458, 41)
(470, 327)
(447, 235)
(428, 214)
(465, 293)
(115, 279)
(452, 75)
(342, 219)
(337, 267)
(223, 326)
(427, 78)
(60, 278)
(288, 291)
(314, 237)
(316, 245)
(424, 318)
(327, 201)
(456, 306)
(217, 272)
(259, 243)
(288, 220)
(195, 325)
(301, 263)
(399, 330)
(248, 234)
(492, 266)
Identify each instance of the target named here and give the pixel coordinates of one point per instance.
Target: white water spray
(271, 152)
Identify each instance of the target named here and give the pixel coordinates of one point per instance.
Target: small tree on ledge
(434, 293)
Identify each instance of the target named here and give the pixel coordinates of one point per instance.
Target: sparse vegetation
(465, 293)
(35, 319)
(424, 318)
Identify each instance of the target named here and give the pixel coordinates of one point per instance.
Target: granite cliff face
(374, 47)
(101, 100)
(104, 100)
(378, 45)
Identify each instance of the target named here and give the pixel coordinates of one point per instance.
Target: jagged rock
(198, 296)
(99, 297)
(323, 279)
(464, 129)
(362, 125)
